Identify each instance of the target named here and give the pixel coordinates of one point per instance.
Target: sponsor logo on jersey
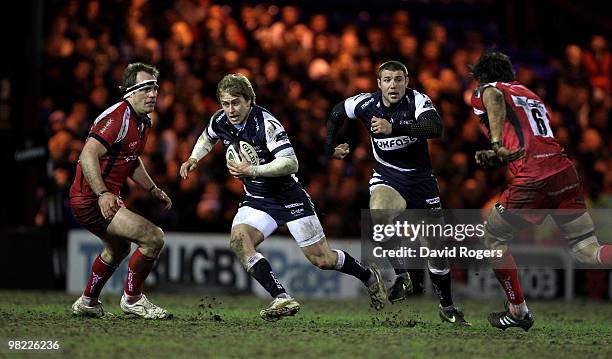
(428, 104)
(520, 100)
(433, 200)
(106, 125)
(133, 145)
(366, 103)
(281, 137)
(293, 205)
(297, 211)
(394, 143)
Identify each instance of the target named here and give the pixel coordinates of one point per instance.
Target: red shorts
(87, 212)
(559, 195)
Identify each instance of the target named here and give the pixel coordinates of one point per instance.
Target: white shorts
(306, 230)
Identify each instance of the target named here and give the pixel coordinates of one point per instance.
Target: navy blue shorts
(420, 195)
(292, 204)
(292, 208)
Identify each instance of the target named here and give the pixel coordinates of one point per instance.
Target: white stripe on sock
(253, 259)
(436, 270)
(341, 258)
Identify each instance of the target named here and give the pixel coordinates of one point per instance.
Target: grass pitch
(230, 327)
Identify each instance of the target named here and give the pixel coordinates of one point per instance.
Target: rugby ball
(236, 150)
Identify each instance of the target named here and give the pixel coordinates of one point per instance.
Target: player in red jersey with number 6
(516, 121)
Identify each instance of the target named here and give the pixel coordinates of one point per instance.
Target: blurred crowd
(301, 62)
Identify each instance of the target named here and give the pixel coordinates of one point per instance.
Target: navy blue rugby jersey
(402, 157)
(267, 136)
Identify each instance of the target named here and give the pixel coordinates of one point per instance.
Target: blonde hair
(236, 85)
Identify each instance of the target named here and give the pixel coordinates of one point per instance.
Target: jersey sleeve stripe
(81, 182)
(211, 134)
(124, 126)
(351, 103)
(106, 112)
(280, 148)
(102, 140)
(515, 124)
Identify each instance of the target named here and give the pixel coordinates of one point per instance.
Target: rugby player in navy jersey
(272, 197)
(400, 120)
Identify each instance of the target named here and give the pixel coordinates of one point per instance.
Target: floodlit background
(67, 58)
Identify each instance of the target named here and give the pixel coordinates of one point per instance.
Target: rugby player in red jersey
(545, 180)
(111, 155)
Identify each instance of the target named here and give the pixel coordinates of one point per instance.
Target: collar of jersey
(143, 118)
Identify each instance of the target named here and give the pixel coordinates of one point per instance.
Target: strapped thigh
(501, 225)
(580, 232)
(306, 230)
(260, 220)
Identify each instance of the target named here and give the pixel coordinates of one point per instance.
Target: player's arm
(280, 166)
(427, 125)
(334, 121)
(202, 147)
(90, 165)
(141, 176)
(284, 163)
(428, 122)
(495, 107)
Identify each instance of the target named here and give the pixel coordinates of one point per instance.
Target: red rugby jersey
(527, 125)
(124, 134)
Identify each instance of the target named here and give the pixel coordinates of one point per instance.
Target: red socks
(506, 273)
(605, 254)
(139, 268)
(99, 275)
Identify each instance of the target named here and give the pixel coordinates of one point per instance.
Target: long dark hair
(493, 66)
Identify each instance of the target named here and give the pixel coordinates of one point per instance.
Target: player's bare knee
(588, 254)
(238, 238)
(382, 215)
(153, 241)
(494, 244)
(580, 234)
(157, 239)
(586, 250)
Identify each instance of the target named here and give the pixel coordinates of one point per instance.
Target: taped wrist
(202, 147)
